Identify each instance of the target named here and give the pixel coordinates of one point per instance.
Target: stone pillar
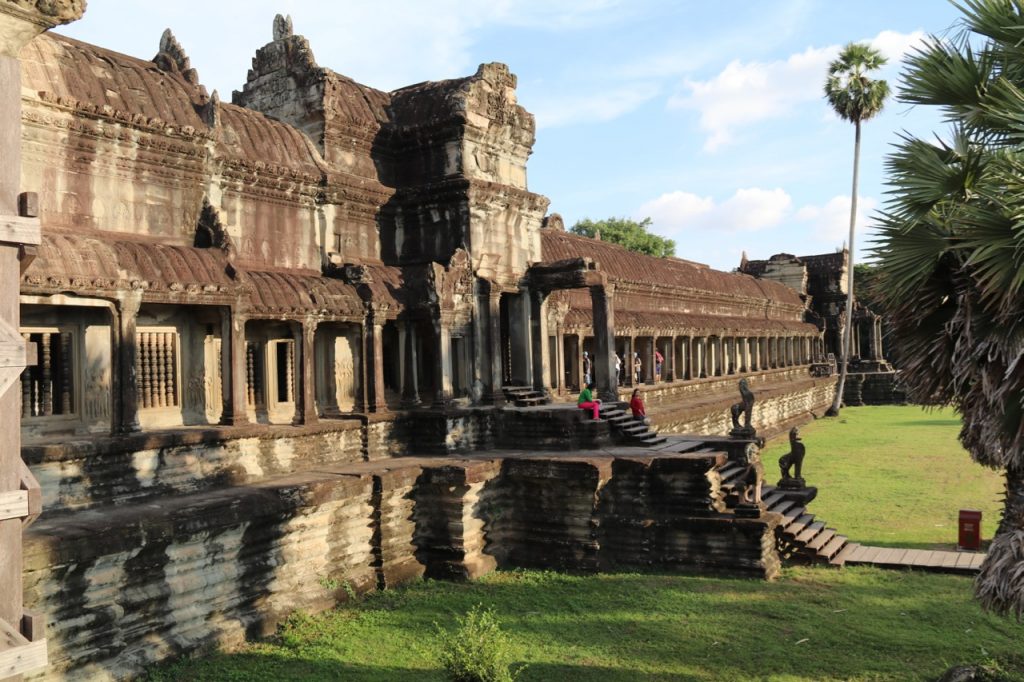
(232, 368)
(670, 360)
(496, 397)
(127, 354)
(559, 360)
(520, 329)
(443, 363)
(628, 360)
(604, 342)
(303, 335)
(410, 384)
(649, 376)
(375, 356)
(540, 359)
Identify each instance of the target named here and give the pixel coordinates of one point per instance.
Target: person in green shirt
(586, 401)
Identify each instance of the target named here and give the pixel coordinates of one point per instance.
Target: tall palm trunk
(848, 328)
(1000, 585)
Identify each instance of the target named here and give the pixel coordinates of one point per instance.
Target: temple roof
(290, 292)
(251, 136)
(660, 322)
(79, 263)
(621, 264)
(78, 72)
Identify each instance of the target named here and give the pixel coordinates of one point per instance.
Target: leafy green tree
(951, 259)
(855, 97)
(630, 234)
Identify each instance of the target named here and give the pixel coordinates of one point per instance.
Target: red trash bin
(970, 529)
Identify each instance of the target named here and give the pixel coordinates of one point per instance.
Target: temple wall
(126, 587)
(777, 408)
(116, 471)
(96, 173)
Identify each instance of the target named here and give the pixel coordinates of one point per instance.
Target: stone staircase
(628, 430)
(803, 539)
(524, 396)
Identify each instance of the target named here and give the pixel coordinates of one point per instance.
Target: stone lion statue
(745, 408)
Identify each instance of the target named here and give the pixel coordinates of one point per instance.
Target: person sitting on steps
(636, 404)
(586, 401)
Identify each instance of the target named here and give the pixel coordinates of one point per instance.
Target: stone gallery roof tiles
(621, 264)
(252, 137)
(74, 73)
(295, 292)
(353, 102)
(77, 263)
(631, 321)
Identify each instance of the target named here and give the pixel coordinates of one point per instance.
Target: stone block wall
(778, 406)
(124, 587)
(87, 473)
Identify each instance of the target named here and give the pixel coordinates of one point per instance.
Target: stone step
(792, 514)
(770, 498)
(781, 506)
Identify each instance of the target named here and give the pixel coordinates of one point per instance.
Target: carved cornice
(23, 20)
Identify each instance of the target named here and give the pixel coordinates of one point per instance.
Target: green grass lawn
(893, 475)
(886, 475)
(813, 624)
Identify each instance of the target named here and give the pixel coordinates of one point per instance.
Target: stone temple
(324, 334)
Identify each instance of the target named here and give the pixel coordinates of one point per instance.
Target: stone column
(232, 367)
(520, 329)
(539, 341)
(604, 342)
(443, 363)
(375, 356)
(128, 312)
(560, 360)
(410, 384)
(303, 335)
(628, 361)
(670, 360)
(496, 397)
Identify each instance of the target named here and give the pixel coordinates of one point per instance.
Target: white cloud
(600, 106)
(745, 93)
(830, 222)
(421, 40)
(747, 209)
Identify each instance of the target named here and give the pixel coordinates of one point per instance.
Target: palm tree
(857, 98)
(951, 259)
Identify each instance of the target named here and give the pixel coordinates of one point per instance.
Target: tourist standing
(658, 361)
(638, 366)
(618, 369)
(586, 401)
(588, 366)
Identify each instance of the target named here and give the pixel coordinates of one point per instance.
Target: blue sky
(705, 116)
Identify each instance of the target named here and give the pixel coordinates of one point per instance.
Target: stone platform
(126, 586)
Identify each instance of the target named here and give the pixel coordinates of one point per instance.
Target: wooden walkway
(941, 561)
(804, 539)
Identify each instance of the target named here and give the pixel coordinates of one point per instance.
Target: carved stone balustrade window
(156, 368)
(48, 388)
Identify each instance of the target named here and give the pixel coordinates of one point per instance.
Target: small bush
(477, 650)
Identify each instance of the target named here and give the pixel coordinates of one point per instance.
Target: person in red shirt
(636, 404)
